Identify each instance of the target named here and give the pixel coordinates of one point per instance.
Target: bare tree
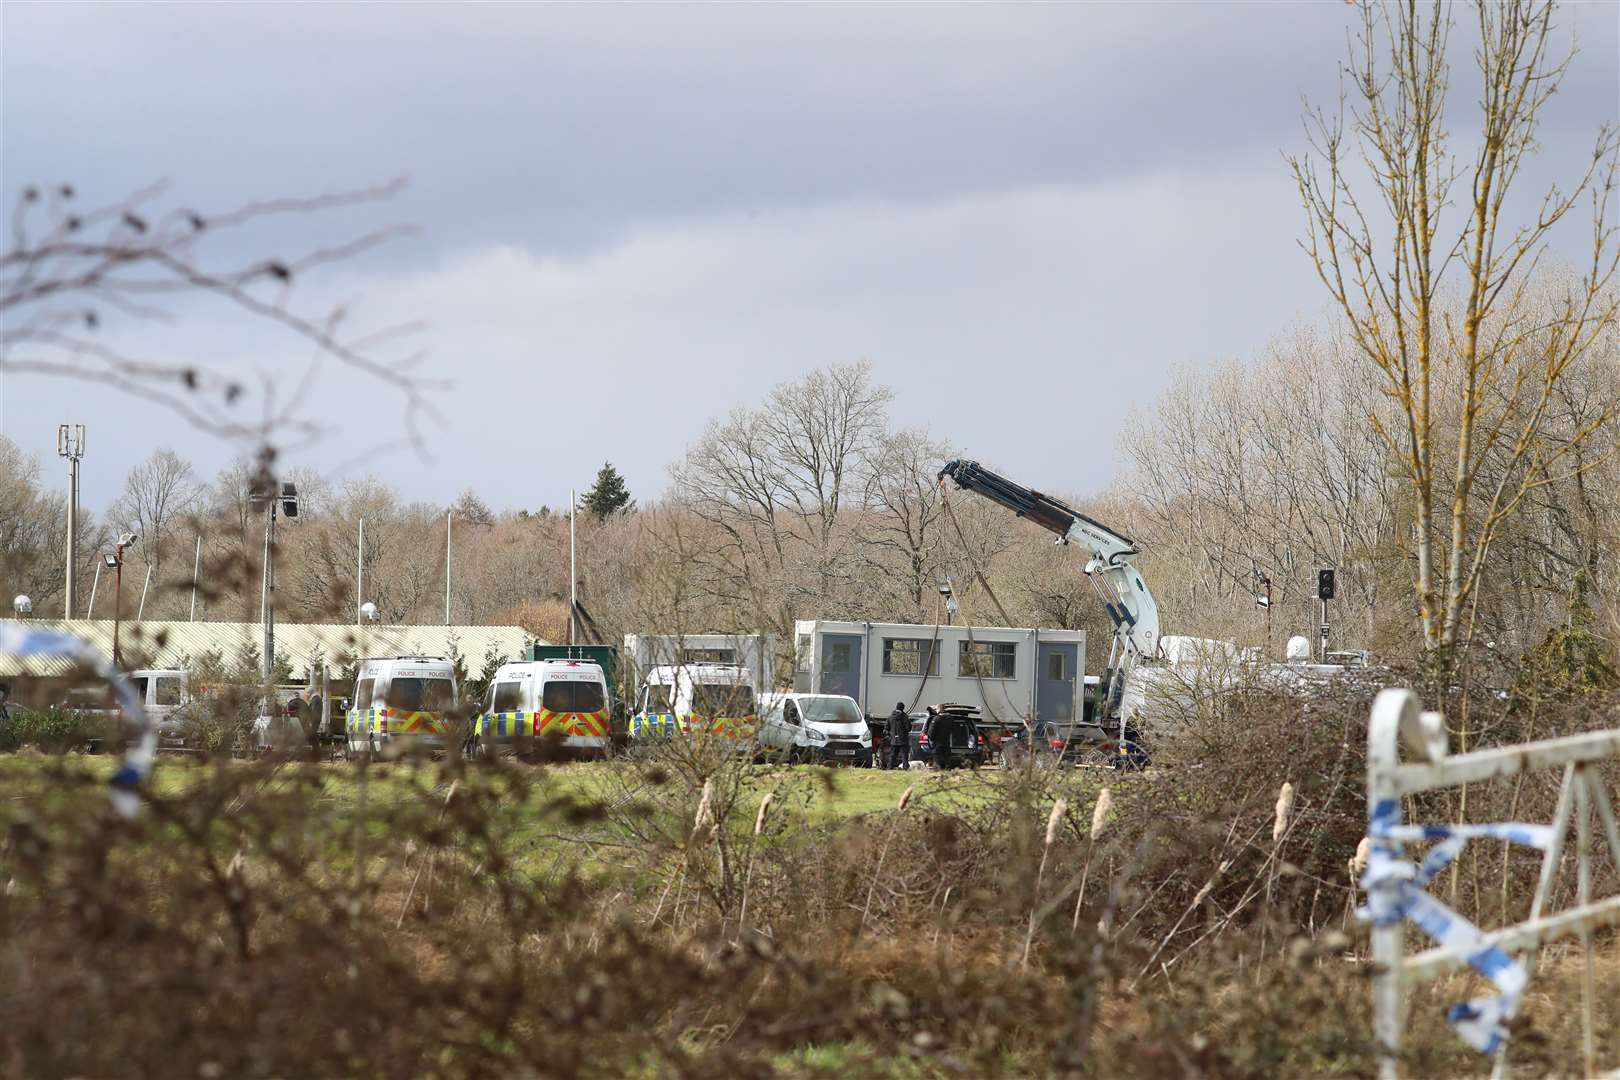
(158, 494)
(777, 485)
(472, 509)
(905, 530)
(1380, 242)
(73, 276)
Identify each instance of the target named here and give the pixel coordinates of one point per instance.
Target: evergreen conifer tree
(609, 495)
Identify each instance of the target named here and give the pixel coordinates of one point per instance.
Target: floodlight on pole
(368, 611)
(115, 562)
(23, 606)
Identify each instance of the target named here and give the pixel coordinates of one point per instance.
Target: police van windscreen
(830, 710)
(722, 699)
(570, 696)
(508, 697)
(420, 695)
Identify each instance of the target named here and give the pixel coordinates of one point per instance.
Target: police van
(707, 699)
(401, 702)
(560, 702)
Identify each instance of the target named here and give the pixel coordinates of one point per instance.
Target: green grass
(838, 793)
(541, 833)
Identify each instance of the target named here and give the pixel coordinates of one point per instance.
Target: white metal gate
(1395, 884)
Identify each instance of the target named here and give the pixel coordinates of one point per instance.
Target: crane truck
(1111, 570)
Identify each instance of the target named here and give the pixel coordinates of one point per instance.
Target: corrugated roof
(182, 644)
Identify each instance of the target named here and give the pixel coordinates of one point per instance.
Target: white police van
(531, 703)
(697, 699)
(401, 702)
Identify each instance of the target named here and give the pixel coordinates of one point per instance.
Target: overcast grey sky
(635, 218)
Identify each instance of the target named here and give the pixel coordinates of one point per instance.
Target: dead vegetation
(647, 917)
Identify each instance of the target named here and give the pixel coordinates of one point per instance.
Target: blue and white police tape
(1395, 891)
(18, 639)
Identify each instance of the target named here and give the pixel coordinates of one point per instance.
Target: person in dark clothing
(939, 728)
(897, 739)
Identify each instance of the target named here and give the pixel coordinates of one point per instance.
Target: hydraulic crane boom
(1130, 605)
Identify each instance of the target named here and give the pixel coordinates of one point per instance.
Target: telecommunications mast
(70, 444)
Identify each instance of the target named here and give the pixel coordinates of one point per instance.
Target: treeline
(1273, 467)
(812, 504)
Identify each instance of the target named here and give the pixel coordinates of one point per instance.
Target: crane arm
(1130, 605)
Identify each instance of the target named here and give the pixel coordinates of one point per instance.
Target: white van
(166, 693)
(715, 699)
(536, 700)
(400, 701)
(815, 727)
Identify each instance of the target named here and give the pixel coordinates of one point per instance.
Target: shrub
(221, 722)
(56, 730)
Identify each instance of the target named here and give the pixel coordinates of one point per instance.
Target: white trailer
(755, 653)
(1012, 675)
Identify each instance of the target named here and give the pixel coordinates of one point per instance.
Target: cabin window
(988, 659)
(910, 656)
(508, 697)
(168, 691)
(139, 683)
(708, 656)
(1054, 665)
(806, 654)
(836, 660)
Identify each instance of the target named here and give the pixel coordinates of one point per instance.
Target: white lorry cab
(401, 701)
(561, 702)
(814, 727)
(711, 699)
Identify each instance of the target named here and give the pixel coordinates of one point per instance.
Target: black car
(967, 747)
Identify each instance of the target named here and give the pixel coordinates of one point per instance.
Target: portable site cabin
(756, 653)
(1012, 675)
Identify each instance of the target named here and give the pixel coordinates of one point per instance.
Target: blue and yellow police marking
(382, 721)
(644, 724)
(666, 724)
(504, 725)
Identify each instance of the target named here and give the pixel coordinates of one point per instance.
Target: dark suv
(967, 745)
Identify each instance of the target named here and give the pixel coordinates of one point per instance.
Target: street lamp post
(284, 500)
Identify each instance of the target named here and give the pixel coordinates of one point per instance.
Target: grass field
(832, 793)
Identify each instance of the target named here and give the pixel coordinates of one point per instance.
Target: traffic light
(1324, 584)
(289, 499)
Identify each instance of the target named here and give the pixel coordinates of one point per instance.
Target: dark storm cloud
(1023, 216)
